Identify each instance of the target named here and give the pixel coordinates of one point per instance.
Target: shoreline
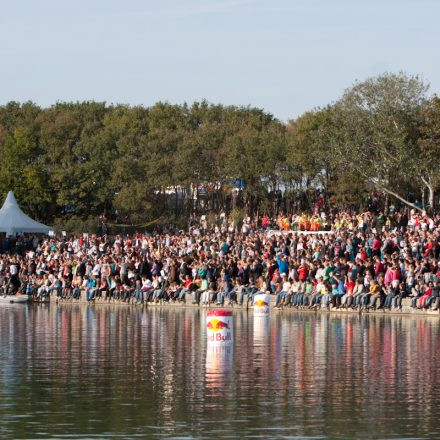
(406, 310)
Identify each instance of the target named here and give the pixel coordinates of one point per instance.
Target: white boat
(14, 299)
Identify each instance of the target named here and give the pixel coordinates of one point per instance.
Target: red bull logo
(215, 325)
(261, 303)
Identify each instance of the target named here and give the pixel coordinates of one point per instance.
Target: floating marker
(219, 327)
(262, 304)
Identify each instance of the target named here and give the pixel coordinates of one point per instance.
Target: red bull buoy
(261, 304)
(219, 327)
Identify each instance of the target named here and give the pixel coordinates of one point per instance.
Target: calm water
(74, 371)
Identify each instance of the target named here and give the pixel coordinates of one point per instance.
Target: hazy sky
(286, 56)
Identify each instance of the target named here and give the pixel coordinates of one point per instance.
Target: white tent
(13, 219)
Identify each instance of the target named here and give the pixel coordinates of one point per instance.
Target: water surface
(77, 371)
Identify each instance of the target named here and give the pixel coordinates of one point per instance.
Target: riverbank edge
(188, 303)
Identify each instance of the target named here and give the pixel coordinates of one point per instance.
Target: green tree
(429, 147)
(377, 120)
(78, 155)
(127, 130)
(22, 171)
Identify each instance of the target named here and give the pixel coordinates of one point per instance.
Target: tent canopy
(13, 219)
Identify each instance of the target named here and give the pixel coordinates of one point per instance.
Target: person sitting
(186, 288)
(375, 295)
(326, 295)
(4, 287)
(158, 291)
(66, 285)
(127, 290)
(435, 295)
(102, 288)
(283, 289)
(231, 296)
(294, 294)
(147, 288)
(361, 294)
(401, 293)
(55, 286)
(222, 292)
(172, 291)
(138, 294)
(240, 292)
(340, 290)
(252, 289)
(308, 291)
(120, 292)
(76, 287)
(30, 287)
(319, 291)
(427, 291)
(347, 299)
(43, 288)
(416, 293)
(91, 288)
(199, 292)
(390, 294)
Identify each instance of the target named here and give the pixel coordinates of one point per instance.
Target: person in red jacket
(375, 247)
(379, 268)
(347, 299)
(429, 248)
(421, 301)
(303, 271)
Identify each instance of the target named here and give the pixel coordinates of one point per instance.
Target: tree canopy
(88, 158)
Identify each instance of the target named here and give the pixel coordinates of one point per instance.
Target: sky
(285, 56)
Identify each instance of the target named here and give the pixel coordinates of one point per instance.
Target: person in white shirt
(96, 269)
(285, 292)
(13, 270)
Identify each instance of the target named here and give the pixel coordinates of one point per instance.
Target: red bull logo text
(218, 337)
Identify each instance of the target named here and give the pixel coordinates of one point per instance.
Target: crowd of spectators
(362, 260)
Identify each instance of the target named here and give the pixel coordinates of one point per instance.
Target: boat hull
(13, 299)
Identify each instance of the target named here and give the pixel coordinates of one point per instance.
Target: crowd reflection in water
(313, 369)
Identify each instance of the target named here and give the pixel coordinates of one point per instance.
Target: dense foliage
(85, 159)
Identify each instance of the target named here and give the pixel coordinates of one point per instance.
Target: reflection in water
(107, 371)
(218, 366)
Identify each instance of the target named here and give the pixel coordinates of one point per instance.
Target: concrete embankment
(189, 302)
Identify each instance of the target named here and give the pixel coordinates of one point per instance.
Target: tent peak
(10, 199)
(13, 219)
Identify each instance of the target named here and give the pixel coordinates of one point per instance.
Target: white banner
(272, 232)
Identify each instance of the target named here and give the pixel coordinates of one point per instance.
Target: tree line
(135, 164)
